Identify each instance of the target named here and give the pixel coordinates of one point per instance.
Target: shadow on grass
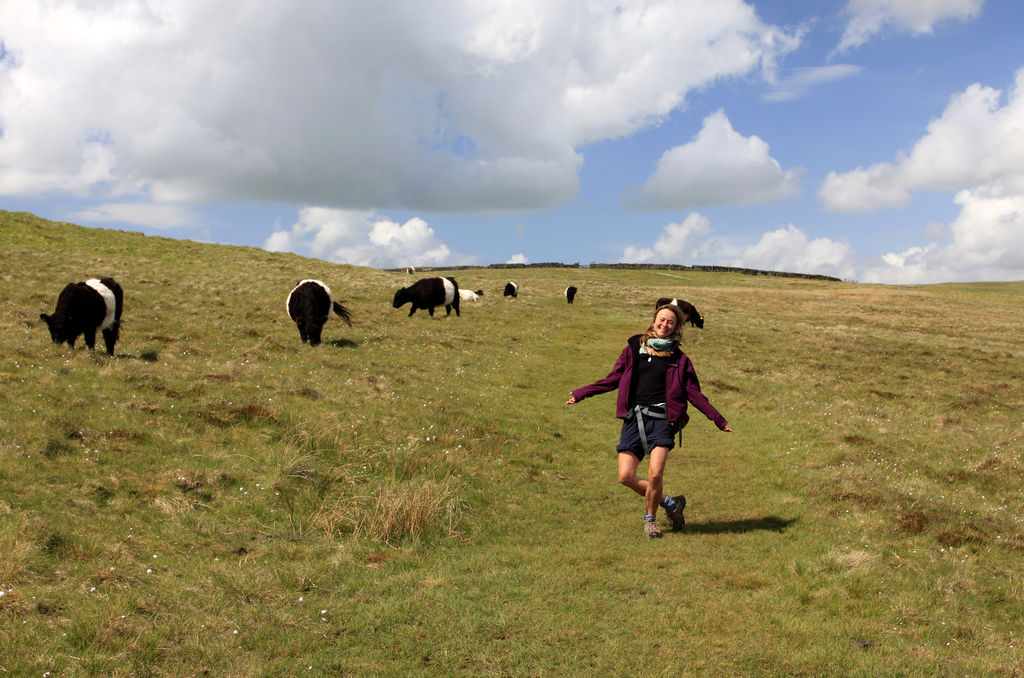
(342, 343)
(769, 523)
(145, 356)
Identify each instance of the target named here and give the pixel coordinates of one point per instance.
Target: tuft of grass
(395, 511)
(56, 447)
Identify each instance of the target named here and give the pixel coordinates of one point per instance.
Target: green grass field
(413, 498)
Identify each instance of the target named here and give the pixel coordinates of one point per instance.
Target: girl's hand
(727, 429)
(571, 400)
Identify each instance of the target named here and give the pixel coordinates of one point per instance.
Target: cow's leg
(447, 310)
(411, 311)
(109, 337)
(90, 337)
(430, 309)
(314, 335)
(302, 332)
(456, 307)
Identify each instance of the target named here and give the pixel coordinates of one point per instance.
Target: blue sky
(873, 140)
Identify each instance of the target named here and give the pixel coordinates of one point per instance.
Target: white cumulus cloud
(786, 249)
(987, 244)
(685, 243)
(361, 238)
(975, 148)
(719, 166)
(916, 17)
(789, 249)
(876, 187)
(453, 105)
(974, 142)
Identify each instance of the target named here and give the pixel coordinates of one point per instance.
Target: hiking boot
(651, 529)
(678, 522)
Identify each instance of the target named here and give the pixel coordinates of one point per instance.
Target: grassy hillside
(413, 498)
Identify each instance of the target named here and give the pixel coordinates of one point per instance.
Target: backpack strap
(651, 412)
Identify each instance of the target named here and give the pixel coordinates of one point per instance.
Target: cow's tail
(343, 313)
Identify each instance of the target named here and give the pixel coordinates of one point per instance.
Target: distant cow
(511, 289)
(466, 295)
(428, 293)
(84, 307)
(309, 304)
(689, 312)
(570, 293)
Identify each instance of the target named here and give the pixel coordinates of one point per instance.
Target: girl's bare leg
(654, 479)
(628, 464)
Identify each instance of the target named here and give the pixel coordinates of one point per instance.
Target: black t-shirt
(650, 383)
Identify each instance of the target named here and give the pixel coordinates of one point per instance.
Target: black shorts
(658, 431)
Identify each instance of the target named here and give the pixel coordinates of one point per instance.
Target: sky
(877, 141)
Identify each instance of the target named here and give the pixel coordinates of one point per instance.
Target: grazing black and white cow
(309, 304)
(84, 307)
(467, 295)
(428, 293)
(511, 289)
(570, 293)
(691, 314)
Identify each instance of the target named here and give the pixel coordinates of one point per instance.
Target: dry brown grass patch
(176, 506)
(853, 561)
(394, 511)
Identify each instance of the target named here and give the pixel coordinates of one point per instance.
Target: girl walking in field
(655, 381)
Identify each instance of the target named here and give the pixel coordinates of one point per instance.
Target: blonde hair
(677, 331)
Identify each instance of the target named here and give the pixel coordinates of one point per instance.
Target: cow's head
(56, 327)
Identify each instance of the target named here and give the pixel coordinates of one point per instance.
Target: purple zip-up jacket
(681, 387)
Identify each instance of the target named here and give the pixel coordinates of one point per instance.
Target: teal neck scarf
(660, 345)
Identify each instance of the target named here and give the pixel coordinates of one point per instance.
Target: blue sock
(668, 503)
(648, 518)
